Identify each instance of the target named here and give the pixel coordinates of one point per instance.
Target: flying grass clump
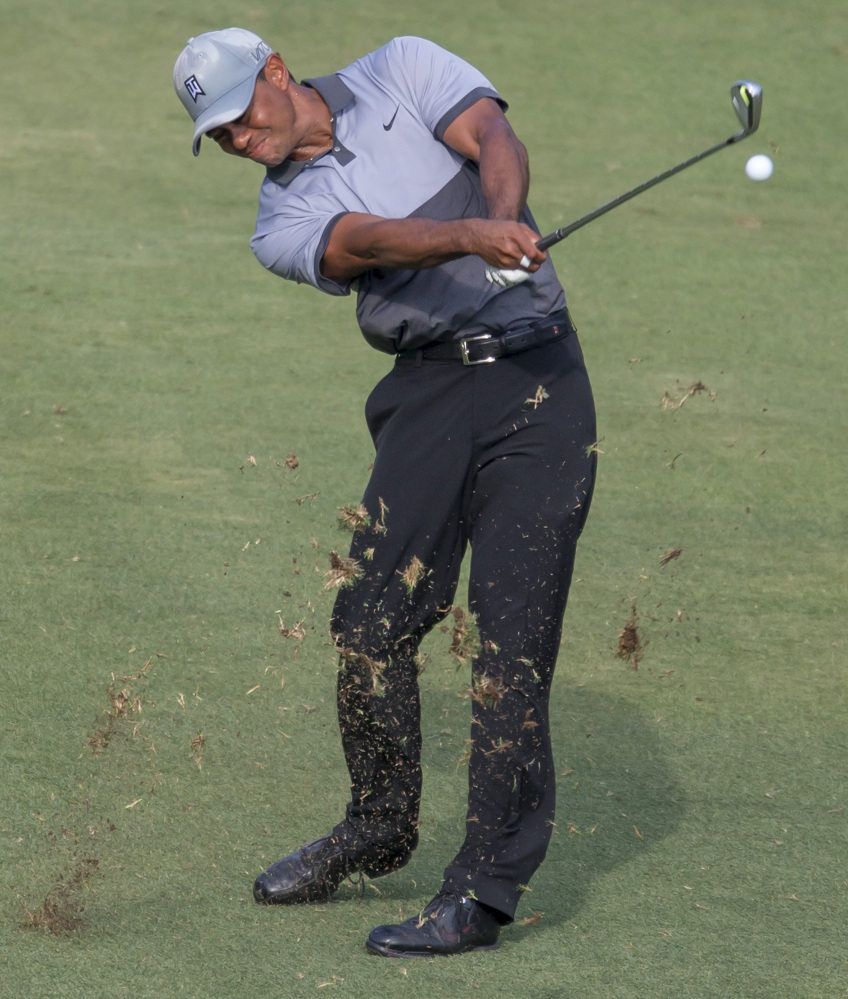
(487, 691)
(465, 637)
(367, 669)
(296, 631)
(669, 401)
(630, 645)
(538, 398)
(380, 526)
(353, 518)
(342, 572)
(413, 573)
(125, 704)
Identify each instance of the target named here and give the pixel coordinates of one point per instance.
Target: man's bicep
(346, 254)
(469, 130)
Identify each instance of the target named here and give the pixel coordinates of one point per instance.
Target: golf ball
(759, 167)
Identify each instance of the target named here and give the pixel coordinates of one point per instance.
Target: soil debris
(197, 744)
(630, 644)
(61, 912)
(125, 703)
(696, 388)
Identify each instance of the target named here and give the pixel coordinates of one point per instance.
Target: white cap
(215, 76)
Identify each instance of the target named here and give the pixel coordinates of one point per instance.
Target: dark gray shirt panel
(406, 309)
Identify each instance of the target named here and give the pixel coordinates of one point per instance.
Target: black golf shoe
(315, 871)
(450, 924)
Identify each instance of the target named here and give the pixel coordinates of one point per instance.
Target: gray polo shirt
(390, 111)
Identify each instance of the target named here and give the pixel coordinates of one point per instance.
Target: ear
(276, 72)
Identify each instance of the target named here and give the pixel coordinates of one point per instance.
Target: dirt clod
(61, 912)
(630, 644)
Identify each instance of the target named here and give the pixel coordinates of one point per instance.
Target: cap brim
(232, 105)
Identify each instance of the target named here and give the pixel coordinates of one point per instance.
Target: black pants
(497, 456)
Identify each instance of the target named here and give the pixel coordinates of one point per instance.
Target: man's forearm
(415, 243)
(483, 134)
(504, 173)
(363, 242)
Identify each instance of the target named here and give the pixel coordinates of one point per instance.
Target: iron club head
(747, 98)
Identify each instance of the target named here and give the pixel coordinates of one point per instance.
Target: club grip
(549, 240)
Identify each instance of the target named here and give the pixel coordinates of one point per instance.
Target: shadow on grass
(617, 799)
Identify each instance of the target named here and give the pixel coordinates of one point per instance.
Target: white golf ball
(759, 167)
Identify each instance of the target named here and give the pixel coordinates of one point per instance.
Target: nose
(239, 136)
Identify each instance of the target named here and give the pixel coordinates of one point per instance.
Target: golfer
(400, 179)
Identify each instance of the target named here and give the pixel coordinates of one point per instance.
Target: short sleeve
(437, 83)
(292, 234)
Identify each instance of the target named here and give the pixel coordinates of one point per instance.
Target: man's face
(266, 132)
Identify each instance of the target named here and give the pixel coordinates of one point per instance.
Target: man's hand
(504, 278)
(505, 244)
(503, 272)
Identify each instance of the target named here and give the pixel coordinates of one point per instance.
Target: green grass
(701, 839)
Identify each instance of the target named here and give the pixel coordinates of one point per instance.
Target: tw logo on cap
(194, 89)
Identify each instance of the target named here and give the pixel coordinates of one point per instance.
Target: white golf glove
(508, 278)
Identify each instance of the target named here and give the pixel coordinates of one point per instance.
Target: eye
(243, 119)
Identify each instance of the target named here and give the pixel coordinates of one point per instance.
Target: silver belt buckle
(463, 346)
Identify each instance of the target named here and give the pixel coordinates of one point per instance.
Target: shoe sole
(388, 952)
(293, 898)
(315, 894)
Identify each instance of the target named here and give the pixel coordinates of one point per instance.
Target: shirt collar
(337, 95)
(334, 91)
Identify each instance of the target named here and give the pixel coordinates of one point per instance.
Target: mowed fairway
(178, 430)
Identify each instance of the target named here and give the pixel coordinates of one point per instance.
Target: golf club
(747, 98)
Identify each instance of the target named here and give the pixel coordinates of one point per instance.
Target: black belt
(485, 347)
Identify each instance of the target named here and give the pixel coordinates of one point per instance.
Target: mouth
(256, 151)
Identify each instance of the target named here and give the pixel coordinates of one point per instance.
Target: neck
(317, 134)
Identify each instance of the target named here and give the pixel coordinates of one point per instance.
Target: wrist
(468, 237)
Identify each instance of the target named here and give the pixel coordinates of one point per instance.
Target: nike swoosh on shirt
(392, 121)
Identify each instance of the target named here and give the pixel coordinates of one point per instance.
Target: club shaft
(567, 230)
